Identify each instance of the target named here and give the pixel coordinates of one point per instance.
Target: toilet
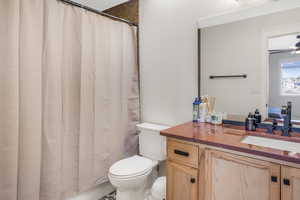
(135, 177)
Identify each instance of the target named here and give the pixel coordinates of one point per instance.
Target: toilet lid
(133, 166)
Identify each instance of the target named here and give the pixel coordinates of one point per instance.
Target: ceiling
(100, 4)
(212, 12)
(235, 10)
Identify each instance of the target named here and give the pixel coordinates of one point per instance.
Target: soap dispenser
(257, 116)
(250, 124)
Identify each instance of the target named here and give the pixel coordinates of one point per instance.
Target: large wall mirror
(262, 53)
(284, 74)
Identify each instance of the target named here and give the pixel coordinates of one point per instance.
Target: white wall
(236, 48)
(168, 56)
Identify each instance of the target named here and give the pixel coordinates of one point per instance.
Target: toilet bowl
(158, 190)
(133, 176)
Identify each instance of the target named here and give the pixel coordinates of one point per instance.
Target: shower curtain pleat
(130, 90)
(51, 179)
(30, 99)
(102, 97)
(105, 104)
(69, 98)
(108, 100)
(71, 85)
(87, 103)
(9, 98)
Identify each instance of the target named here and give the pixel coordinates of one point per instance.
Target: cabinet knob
(286, 181)
(193, 180)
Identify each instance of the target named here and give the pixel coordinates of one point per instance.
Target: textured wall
(128, 11)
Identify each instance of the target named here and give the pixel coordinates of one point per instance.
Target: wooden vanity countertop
(229, 137)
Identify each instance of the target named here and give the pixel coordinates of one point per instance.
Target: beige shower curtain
(69, 98)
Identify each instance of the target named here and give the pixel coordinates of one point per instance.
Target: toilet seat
(132, 167)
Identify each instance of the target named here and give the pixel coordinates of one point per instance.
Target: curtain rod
(98, 12)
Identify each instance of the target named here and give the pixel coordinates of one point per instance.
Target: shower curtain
(69, 98)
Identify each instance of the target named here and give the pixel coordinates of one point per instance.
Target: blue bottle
(196, 104)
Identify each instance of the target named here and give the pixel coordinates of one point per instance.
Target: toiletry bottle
(250, 124)
(202, 112)
(247, 121)
(257, 116)
(196, 110)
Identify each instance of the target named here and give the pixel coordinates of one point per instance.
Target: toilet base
(135, 196)
(143, 191)
(138, 194)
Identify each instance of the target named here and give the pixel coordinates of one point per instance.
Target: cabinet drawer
(182, 153)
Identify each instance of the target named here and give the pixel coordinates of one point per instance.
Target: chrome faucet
(286, 113)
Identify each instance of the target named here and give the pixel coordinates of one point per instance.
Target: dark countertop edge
(238, 149)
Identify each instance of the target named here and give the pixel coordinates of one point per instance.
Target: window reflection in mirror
(284, 74)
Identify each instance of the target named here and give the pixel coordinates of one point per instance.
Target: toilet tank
(151, 144)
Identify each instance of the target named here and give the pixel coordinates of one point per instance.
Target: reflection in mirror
(241, 47)
(284, 74)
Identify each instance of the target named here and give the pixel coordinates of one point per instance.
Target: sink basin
(272, 143)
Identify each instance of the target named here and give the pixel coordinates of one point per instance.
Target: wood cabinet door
(232, 177)
(182, 182)
(290, 183)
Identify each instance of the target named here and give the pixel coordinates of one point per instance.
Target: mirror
(252, 64)
(284, 74)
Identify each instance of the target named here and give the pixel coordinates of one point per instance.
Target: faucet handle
(284, 110)
(274, 123)
(274, 126)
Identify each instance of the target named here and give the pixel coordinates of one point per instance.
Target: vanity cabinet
(290, 183)
(182, 170)
(197, 172)
(182, 182)
(229, 177)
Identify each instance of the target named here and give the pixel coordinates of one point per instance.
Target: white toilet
(134, 177)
